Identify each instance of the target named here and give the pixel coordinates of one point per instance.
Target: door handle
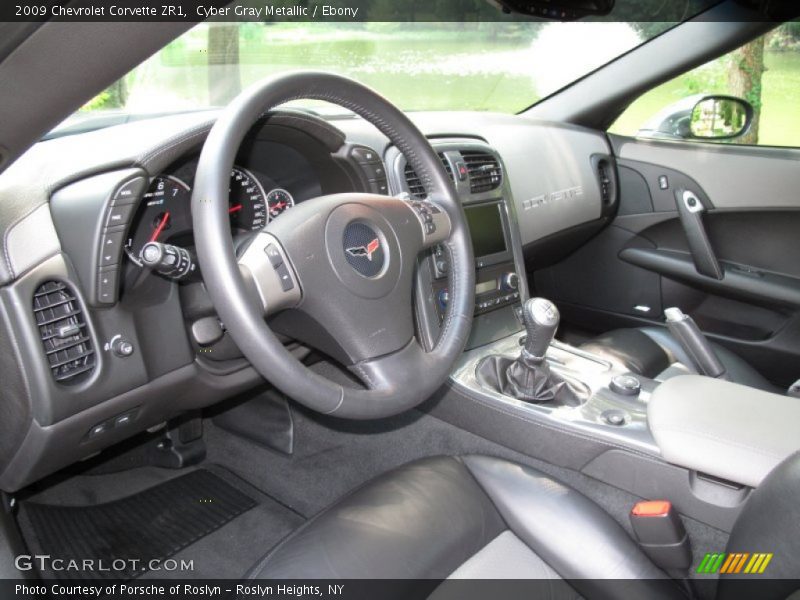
(690, 211)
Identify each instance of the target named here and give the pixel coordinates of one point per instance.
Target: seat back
(768, 524)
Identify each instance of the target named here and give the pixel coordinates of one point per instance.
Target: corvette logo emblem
(367, 250)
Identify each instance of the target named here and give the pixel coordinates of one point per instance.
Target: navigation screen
(486, 229)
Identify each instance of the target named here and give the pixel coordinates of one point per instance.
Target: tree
(224, 78)
(744, 81)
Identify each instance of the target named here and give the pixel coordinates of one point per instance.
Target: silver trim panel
(587, 418)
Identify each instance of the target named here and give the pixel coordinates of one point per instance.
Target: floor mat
(150, 525)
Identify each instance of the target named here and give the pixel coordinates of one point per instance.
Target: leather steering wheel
(344, 263)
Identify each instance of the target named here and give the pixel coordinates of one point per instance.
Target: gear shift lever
(529, 377)
(541, 318)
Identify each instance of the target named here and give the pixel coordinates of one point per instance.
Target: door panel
(643, 262)
(736, 177)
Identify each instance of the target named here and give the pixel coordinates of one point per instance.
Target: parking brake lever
(692, 340)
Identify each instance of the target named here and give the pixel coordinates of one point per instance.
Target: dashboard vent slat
(62, 330)
(484, 171)
(414, 183)
(604, 179)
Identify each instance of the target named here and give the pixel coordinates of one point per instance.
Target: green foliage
(785, 38)
(99, 102)
(112, 97)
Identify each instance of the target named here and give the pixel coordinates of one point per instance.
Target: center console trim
(588, 418)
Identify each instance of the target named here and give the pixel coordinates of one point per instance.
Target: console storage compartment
(723, 429)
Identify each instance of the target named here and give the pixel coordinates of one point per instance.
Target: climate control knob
(509, 282)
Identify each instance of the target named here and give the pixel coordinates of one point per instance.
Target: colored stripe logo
(734, 562)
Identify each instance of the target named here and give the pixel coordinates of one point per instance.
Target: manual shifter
(529, 377)
(541, 318)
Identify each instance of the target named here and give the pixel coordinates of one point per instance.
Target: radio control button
(364, 155)
(379, 186)
(444, 298)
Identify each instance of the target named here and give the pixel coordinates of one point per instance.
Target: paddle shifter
(529, 377)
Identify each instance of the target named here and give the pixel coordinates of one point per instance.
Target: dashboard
(105, 347)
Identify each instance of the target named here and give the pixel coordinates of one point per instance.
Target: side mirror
(720, 118)
(701, 117)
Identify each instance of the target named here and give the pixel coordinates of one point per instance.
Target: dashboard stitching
(363, 372)
(7, 235)
(184, 137)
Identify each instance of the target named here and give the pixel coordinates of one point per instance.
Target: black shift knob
(541, 318)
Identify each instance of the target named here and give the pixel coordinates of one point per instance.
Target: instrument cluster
(164, 215)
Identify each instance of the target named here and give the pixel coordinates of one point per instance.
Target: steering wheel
(344, 263)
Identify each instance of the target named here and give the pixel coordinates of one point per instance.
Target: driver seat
(477, 517)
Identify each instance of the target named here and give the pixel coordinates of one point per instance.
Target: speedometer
(247, 201)
(278, 200)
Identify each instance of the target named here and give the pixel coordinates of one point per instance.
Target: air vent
(63, 331)
(484, 171)
(604, 180)
(415, 187)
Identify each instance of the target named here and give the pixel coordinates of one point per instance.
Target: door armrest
(723, 429)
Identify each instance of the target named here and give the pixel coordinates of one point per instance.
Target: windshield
(490, 66)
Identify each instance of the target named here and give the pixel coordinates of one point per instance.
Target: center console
(609, 405)
(561, 386)
(478, 174)
(496, 281)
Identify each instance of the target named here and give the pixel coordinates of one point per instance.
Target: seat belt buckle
(661, 534)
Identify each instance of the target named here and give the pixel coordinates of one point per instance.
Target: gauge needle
(234, 209)
(160, 228)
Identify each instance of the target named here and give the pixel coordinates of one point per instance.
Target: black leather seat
(477, 517)
(653, 352)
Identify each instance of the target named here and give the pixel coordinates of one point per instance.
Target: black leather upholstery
(531, 383)
(769, 523)
(649, 351)
(427, 518)
(422, 520)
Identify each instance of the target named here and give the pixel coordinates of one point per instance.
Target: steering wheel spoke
(392, 372)
(267, 270)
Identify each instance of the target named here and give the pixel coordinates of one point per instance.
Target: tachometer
(163, 214)
(278, 200)
(247, 201)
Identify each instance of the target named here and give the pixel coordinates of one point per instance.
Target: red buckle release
(652, 508)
